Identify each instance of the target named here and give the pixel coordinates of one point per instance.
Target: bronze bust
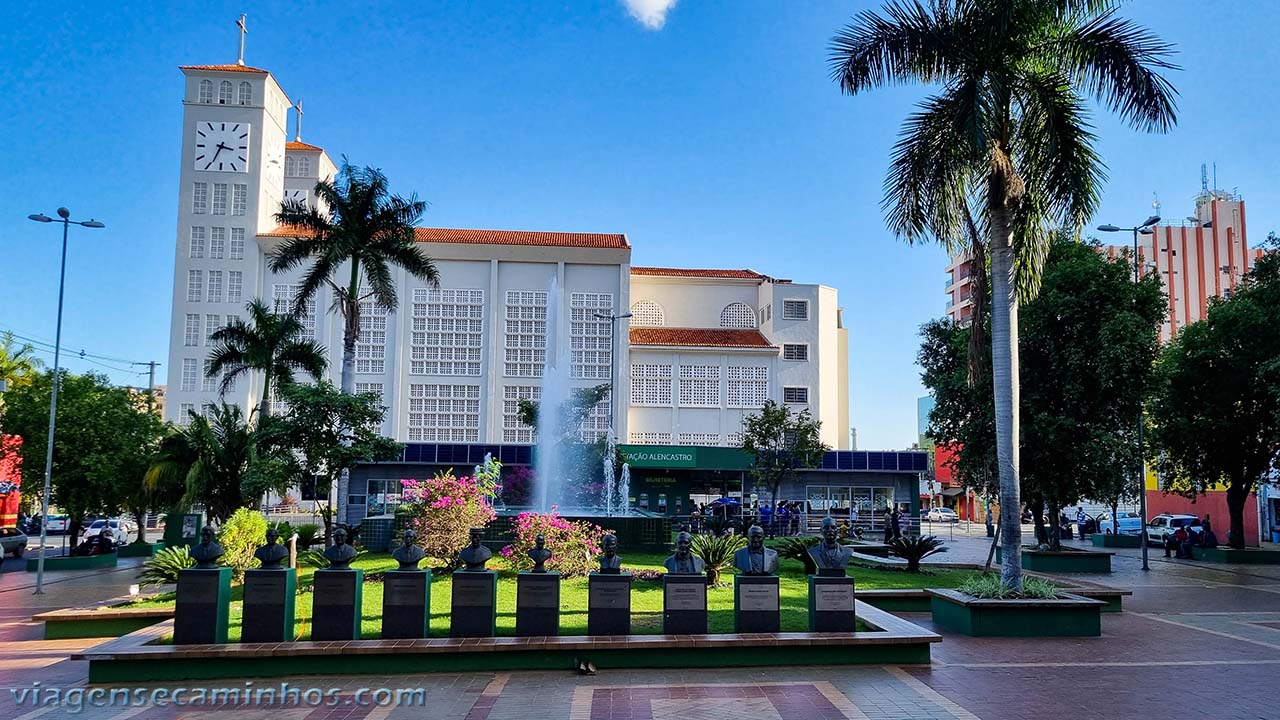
(755, 558)
(539, 554)
(475, 555)
(829, 555)
(610, 561)
(684, 562)
(340, 554)
(273, 553)
(207, 552)
(408, 554)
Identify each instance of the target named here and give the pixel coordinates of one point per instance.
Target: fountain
(624, 490)
(610, 484)
(551, 469)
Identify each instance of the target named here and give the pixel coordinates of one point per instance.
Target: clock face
(222, 146)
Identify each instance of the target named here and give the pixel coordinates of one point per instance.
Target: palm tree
(1005, 145)
(372, 231)
(16, 360)
(210, 459)
(270, 344)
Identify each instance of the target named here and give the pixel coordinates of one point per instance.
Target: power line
(82, 353)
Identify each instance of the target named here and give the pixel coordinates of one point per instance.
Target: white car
(942, 514)
(1167, 524)
(1130, 523)
(122, 531)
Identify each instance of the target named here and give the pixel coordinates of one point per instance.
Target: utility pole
(151, 383)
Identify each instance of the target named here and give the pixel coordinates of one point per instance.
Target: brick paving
(1195, 640)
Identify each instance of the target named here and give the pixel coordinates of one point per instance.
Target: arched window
(246, 93)
(647, 313)
(224, 92)
(737, 315)
(304, 166)
(206, 91)
(290, 166)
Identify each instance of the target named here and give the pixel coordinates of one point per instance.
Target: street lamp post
(1144, 229)
(613, 358)
(67, 222)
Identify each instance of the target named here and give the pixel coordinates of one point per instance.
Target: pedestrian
(1080, 520)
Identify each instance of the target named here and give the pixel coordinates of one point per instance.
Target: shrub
(988, 586)
(442, 511)
(240, 536)
(307, 535)
(717, 552)
(573, 543)
(643, 574)
(314, 558)
(797, 548)
(516, 486)
(914, 548)
(162, 568)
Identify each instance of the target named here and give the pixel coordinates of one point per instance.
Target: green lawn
(646, 597)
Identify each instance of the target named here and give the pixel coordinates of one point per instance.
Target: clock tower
(231, 182)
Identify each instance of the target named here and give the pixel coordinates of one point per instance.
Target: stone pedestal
(268, 605)
(537, 604)
(337, 604)
(609, 604)
(202, 607)
(472, 612)
(756, 604)
(406, 604)
(684, 604)
(831, 604)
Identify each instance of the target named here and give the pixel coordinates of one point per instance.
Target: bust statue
(610, 561)
(684, 562)
(755, 558)
(340, 554)
(475, 555)
(408, 554)
(539, 554)
(207, 552)
(273, 553)
(829, 555)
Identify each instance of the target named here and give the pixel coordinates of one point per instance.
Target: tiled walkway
(1195, 641)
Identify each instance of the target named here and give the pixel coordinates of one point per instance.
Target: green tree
(1215, 414)
(16, 361)
(270, 344)
(1088, 342)
(365, 227)
(1005, 147)
(330, 432)
(780, 443)
(100, 443)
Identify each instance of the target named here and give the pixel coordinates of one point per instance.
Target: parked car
(942, 514)
(1130, 523)
(12, 542)
(57, 524)
(1167, 523)
(122, 530)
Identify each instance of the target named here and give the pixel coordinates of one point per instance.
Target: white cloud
(651, 13)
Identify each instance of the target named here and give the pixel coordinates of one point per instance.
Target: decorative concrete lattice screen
(650, 384)
(647, 313)
(590, 336)
(700, 386)
(737, 315)
(525, 350)
(748, 386)
(444, 413)
(371, 345)
(282, 297)
(448, 332)
(514, 431)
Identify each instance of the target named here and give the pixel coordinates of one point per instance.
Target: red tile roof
(502, 237)
(231, 67)
(299, 145)
(699, 337)
(694, 272)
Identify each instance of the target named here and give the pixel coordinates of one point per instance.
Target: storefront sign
(639, 456)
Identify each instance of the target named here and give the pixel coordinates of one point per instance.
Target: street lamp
(1143, 229)
(67, 222)
(613, 358)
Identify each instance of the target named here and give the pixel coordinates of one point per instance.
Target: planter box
(1065, 561)
(139, 549)
(1069, 616)
(1116, 541)
(1231, 556)
(69, 562)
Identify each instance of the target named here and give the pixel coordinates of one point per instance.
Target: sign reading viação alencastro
(640, 456)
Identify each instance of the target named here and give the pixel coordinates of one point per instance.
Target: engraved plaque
(264, 589)
(335, 587)
(400, 592)
(686, 596)
(610, 595)
(472, 591)
(199, 588)
(833, 597)
(538, 595)
(758, 597)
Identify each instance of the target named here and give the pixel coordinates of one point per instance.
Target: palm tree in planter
(1004, 148)
(359, 228)
(270, 344)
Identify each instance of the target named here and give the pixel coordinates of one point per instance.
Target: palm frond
(910, 43)
(1053, 148)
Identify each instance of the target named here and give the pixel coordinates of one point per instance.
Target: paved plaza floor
(1194, 641)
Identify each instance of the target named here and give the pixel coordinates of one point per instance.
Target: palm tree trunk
(1004, 361)
(264, 405)
(350, 333)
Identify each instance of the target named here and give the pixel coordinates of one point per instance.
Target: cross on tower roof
(243, 29)
(298, 134)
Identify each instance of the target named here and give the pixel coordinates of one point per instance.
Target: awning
(952, 492)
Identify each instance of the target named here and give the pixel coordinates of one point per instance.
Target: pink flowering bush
(574, 544)
(516, 485)
(442, 511)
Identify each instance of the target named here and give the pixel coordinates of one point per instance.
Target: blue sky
(715, 140)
